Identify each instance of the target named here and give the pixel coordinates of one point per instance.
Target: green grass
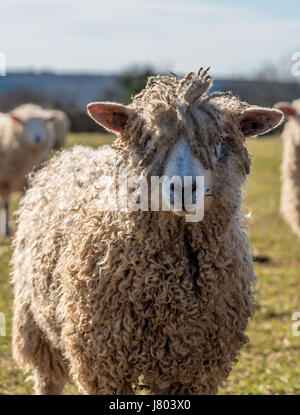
(89, 139)
(270, 362)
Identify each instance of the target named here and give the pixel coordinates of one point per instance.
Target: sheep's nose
(188, 192)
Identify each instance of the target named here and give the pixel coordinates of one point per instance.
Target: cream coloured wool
(112, 299)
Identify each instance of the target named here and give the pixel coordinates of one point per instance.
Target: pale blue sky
(234, 37)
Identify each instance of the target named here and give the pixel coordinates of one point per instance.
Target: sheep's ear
(111, 116)
(15, 117)
(256, 121)
(286, 108)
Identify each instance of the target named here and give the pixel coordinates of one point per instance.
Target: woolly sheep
(62, 128)
(290, 166)
(26, 138)
(116, 300)
(61, 123)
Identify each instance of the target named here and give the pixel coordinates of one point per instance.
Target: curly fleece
(116, 301)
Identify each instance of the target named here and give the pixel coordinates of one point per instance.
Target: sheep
(26, 138)
(115, 300)
(61, 123)
(290, 166)
(62, 126)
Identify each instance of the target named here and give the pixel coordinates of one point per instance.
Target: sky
(108, 36)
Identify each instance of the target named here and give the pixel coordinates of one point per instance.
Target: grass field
(270, 363)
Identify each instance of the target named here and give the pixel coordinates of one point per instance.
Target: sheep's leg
(127, 390)
(4, 225)
(104, 386)
(44, 385)
(185, 389)
(33, 352)
(99, 379)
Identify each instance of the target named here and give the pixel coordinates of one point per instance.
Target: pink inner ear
(287, 110)
(15, 118)
(110, 116)
(258, 121)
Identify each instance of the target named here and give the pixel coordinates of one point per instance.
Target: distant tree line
(130, 82)
(264, 88)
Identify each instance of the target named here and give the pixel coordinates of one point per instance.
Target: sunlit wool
(108, 300)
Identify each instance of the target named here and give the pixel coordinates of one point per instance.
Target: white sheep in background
(290, 166)
(61, 123)
(62, 127)
(26, 139)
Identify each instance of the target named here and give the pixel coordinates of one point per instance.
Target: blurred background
(64, 54)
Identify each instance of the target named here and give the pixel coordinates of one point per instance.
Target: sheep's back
(46, 215)
(67, 181)
(290, 175)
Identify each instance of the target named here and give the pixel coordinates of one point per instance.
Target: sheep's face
(187, 168)
(37, 132)
(194, 143)
(197, 149)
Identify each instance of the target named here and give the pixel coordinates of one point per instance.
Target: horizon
(234, 39)
(87, 73)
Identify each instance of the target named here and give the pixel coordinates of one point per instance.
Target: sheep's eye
(219, 151)
(148, 142)
(140, 149)
(143, 148)
(223, 152)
